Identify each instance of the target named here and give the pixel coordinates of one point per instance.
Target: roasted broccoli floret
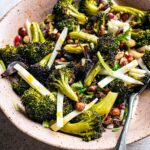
(89, 7)
(38, 107)
(60, 79)
(68, 106)
(142, 37)
(146, 58)
(20, 86)
(108, 47)
(9, 54)
(89, 127)
(70, 23)
(119, 86)
(34, 52)
(38, 70)
(66, 9)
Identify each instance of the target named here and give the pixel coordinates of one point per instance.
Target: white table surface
(12, 139)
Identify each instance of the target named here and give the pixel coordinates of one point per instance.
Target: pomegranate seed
(22, 31)
(111, 16)
(18, 40)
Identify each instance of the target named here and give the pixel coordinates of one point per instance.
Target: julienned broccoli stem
(84, 36)
(92, 74)
(129, 10)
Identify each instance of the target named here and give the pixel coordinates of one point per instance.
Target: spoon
(121, 144)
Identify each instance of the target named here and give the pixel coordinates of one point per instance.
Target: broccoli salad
(75, 71)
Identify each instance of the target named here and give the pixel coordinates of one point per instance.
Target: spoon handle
(121, 144)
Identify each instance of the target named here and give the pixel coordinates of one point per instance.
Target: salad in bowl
(75, 71)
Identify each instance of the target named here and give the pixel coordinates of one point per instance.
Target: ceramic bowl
(37, 10)
(140, 4)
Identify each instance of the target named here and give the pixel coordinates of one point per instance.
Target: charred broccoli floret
(34, 52)
(60, 79)
(89, 7)
(20, 86)
(124, 92)
(146, 58)
(142, 37)
(89, 127)
(70, 23)
(39, 70)
(65, 8)
(9, 54)
(38, 107)
(68, 106)
(108, 47)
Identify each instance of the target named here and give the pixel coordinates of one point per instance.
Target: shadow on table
(13, 139)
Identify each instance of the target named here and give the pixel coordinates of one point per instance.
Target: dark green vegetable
(118, 86)
(146, 58)
(9, 54)
(142, 37)
(70, 23)
(39, 108)
(34, 52)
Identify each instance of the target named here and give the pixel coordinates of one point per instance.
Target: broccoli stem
(34, 32)
(2, 65)
(84, 36)
(82, 19)
(127, 9)
(45, 60)
(92, 74)
(76, 128)
(41, 36)
(104, 106)
(75, 48)
(67, 90)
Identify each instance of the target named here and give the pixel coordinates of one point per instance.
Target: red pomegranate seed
(18, 40)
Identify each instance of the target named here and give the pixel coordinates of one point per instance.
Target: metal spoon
(121, 144)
